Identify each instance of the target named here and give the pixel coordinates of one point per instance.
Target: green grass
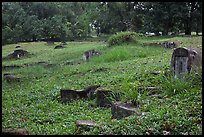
(34, 103)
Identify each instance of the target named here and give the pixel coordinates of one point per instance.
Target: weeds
(35, 104)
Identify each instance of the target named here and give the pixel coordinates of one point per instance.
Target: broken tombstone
(120, 110)
(90, 53)
(18, 46)
(11, 78)
(69, 94)
(59, 47)
(17, 54)
(17, 131)
(86, 123)
(103, 98)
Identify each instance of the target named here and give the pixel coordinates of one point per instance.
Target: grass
(35, 103)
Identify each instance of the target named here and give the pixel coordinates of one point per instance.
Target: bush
(122, 37)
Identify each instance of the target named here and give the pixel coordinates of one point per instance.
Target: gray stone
(11, 131)
(11, 78)
(11, 67)
(120, 110)
(18, 46)
(89, 123)
(90, 53)
(69, 94)
(183, 60)
(59, 47)
(156, 72)
(102, 98)
(17, 54)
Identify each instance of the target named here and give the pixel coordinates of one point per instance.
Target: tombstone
(43, 63)
(17, 54)
(18, 46)
(102, 98)
(89, 123)
(120, 110)
(11, 67)
(195, 59)
(59, 47)
(183, 60)
(156, 72)
(69, 94)
(11, 78)
(88, 54)
(11, 131)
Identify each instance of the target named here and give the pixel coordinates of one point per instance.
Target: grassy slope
(34, 103)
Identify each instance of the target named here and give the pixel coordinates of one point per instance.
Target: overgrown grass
(35, 102)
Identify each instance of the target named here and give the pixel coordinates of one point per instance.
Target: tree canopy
(62, 21)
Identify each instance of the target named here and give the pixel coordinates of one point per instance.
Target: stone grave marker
(183, 60)
(120, 110)
(90, 53)
(102, 98)
(17, 131)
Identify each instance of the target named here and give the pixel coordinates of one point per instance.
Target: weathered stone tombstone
(11, 131)
(103, 98)
(90, 53)
(59, 47)
(120, 110)
(11, 67)
(183, 60)
(18, 46)
(85, 125)
(90, 123)
(11, 78)
(44, 64)
(17, 54)
(170, 45)
(69, 94)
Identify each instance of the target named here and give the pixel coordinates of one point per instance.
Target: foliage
(123, 37)
(35, 104)
(65, 21)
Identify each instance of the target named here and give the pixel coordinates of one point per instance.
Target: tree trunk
(188, 27)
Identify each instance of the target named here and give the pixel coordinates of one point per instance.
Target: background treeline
(62, 21)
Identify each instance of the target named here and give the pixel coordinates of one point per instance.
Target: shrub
(122, 37)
